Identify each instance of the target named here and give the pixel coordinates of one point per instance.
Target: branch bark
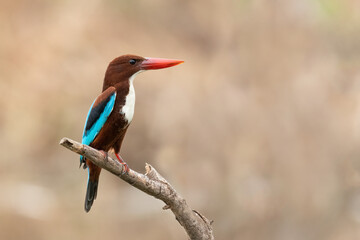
(196, 225)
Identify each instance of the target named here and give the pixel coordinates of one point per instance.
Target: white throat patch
(128, 108)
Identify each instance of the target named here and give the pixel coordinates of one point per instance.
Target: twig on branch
(196, 225)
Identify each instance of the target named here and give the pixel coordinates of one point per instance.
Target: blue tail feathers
(82, 161)
(91, 192)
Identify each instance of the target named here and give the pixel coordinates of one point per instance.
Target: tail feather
(91, 192)
(82, 162)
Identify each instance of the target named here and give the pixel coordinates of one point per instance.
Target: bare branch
(152, 183)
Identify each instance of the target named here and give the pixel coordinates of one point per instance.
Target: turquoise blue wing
(99, 112)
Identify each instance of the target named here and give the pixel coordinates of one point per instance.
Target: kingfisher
(112, 112)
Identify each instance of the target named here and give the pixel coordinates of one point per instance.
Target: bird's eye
(132, 61)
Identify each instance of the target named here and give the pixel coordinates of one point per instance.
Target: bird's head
(124, 67)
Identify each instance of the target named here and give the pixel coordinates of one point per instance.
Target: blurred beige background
(259, 129)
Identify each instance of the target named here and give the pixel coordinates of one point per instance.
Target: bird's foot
(126, 167)
(105, 154)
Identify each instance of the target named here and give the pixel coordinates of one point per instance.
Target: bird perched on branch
(112, 111)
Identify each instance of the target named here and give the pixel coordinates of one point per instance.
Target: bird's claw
(122, 162)
(105, 154)
(125, 168)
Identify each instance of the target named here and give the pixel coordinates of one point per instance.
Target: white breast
(128, 108)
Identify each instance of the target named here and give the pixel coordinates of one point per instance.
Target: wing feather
(98, 114)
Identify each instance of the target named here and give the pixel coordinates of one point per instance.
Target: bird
(112, 112)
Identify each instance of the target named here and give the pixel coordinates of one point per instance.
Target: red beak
(158, 63)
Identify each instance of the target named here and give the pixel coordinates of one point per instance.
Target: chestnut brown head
(124, 67)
